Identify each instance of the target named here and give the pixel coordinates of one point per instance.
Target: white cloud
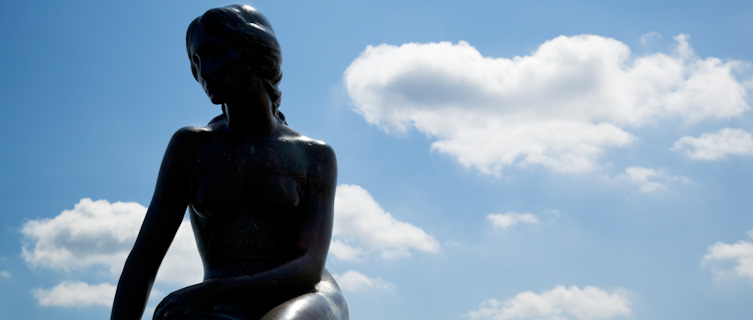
(97, 234)
(76, 294)
(559, 303)
(740, 255)
(93, 233)
(649, 180)
(502, 221)
(100, 234)
(714, 146)
(5, 274)
(182, 264)
(354, 281)
(344, 251)
(560, 107)
(647, 38)
(362, 226)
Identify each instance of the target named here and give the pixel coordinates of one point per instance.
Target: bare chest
(249, 176)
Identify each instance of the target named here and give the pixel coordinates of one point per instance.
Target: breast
(246, 222)
(246, 207)
(237, 239)
(274, 190)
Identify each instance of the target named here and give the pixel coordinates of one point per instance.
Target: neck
(251, 120)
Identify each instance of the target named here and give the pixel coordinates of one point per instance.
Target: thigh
(212, 315)
(325, 303)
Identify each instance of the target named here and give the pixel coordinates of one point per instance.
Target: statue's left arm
(162, 220)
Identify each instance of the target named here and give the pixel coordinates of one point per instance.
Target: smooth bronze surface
(259, 194)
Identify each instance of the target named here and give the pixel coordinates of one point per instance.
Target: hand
(183, 303)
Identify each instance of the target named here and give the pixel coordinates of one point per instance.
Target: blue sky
(497, 160)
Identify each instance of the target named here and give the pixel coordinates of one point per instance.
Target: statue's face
(222, 72)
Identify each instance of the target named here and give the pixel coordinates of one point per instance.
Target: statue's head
(247, 31)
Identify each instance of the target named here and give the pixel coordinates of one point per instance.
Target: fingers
(169, 309)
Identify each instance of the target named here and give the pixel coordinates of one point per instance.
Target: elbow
(312, 275)
(316, 277)
(311, 271)
(139, 269)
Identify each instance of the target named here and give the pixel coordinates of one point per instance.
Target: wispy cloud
(561, 107)
(362, 226)
(354, 281)
(503, 221)
(715, 146)
(344, 251)
(559, 303)
(647, 38)
(649, 180)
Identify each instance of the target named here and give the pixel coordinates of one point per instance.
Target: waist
(214, 269)
(255, 306)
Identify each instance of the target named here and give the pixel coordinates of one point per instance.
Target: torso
(246, 200)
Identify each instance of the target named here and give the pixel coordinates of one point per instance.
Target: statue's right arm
(164, 216)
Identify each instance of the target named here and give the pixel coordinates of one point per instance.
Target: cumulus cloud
(561, 107)
(95, 237)
(354, 281)
(559, 303)
(731, 260)
(93, 233)
(714, 146)
(649, 180)
(362, 226)
(502, 221)
(182, 264)
(76, 294)
(98, 235)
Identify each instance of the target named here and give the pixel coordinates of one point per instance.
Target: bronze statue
(260, 195)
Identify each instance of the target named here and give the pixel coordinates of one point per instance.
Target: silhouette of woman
(259, 194)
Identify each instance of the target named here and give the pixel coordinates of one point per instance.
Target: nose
(208, 68)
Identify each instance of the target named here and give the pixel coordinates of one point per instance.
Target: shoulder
(319, 150)
(320, 157)
(192, 134)
(187, 140)
(322, 163)
(316, 150)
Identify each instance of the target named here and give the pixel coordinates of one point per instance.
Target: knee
(326, 303)
(309, 306)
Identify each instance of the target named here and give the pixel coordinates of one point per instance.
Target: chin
(216, 100)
